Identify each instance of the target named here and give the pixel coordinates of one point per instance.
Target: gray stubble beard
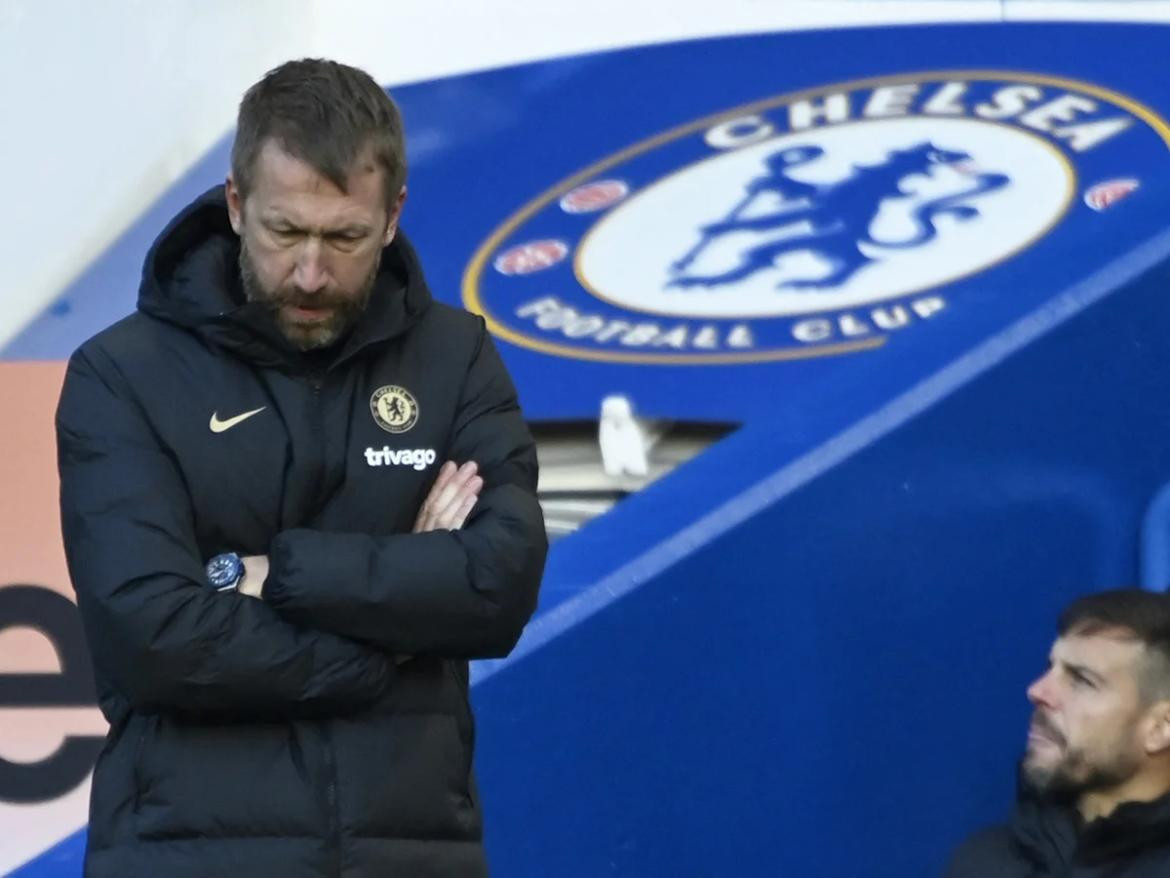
(346, 312)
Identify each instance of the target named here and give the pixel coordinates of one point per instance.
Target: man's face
(1085, 734)
(309, 251)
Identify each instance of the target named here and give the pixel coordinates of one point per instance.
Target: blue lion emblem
(838, 216)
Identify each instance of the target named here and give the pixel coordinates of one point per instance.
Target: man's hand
(255, 572)
(451, 498)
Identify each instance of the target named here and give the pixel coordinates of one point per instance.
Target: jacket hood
(191, 278)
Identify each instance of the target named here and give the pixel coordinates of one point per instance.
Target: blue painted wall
(836, 687)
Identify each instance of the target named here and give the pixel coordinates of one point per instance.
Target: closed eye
(1082, 679)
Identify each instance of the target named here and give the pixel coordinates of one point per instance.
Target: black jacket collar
(1053, 835)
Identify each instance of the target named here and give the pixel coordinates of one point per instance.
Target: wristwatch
(225, 571)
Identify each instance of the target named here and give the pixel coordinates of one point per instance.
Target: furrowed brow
(278, 221)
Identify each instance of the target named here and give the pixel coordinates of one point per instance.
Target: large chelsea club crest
(804, 225)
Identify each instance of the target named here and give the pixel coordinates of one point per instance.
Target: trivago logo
(808, 224)
(415, 458)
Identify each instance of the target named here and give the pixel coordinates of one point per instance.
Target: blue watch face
(224, 571)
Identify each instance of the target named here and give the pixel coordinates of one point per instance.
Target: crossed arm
(464, 583)
(446, 507)
(160, 639)
(337, 608)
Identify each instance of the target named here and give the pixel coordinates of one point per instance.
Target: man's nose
(1041, 691)
(310, 273)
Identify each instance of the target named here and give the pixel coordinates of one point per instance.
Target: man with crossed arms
(280, 592)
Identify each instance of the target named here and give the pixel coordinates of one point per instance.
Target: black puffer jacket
(1047, 840)
(278, 737)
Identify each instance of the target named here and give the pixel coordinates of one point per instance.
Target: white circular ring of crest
(626, 257)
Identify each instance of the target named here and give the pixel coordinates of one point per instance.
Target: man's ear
(235, 204)
(1157, 732)
(395, 216)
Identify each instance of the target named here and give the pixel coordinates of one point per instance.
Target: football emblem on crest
(394, 408)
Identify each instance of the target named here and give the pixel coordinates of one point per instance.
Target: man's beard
(345, 309)
(1076, 772)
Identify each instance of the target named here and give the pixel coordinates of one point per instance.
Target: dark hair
(325, 114)
(1135, 613)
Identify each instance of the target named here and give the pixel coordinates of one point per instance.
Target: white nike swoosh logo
(218, 426)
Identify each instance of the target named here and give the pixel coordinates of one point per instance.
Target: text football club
(809, 224)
